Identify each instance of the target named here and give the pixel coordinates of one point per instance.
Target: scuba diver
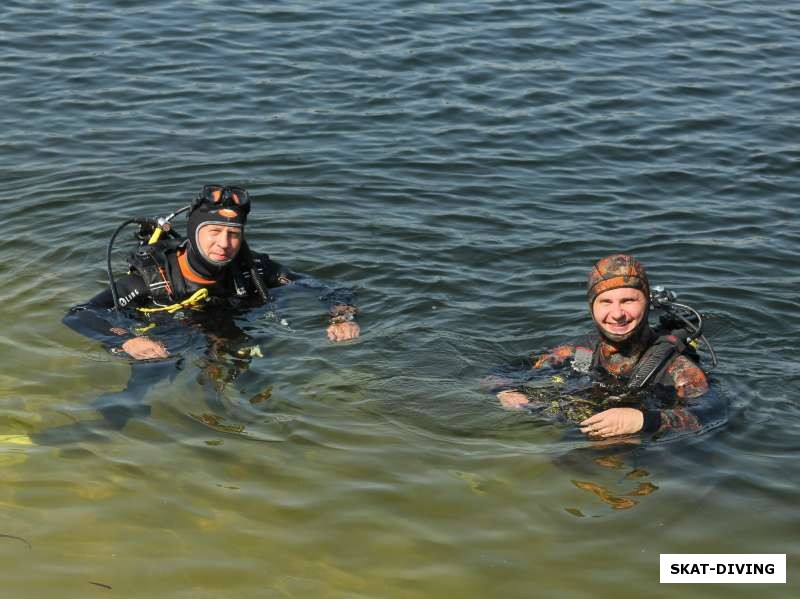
(203, 280)
(641, 379)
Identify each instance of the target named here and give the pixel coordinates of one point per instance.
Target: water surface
(461, 164)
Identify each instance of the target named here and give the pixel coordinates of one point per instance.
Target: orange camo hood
(613, 272)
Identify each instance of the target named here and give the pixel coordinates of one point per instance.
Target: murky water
(461, 164)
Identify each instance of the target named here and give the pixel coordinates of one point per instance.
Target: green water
(461, 165)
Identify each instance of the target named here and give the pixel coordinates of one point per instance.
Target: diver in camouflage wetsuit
(618, 293)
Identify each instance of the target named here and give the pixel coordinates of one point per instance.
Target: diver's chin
(217, 263)
(617, 338)
(628, 339)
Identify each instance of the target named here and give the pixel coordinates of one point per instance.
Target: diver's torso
(170, 279)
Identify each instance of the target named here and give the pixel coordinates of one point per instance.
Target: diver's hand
(513, 400)
(615, 421)
(343, 331)
(144, 348)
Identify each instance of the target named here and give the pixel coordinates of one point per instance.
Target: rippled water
(461, 164)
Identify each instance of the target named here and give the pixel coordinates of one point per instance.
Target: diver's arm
(506, 383)
(513, 400)
(613, 422)
(131, 289)
(97, 319)
(340, 301)
(702, 405)
(276, 275)
(556, 357)
(100, 324)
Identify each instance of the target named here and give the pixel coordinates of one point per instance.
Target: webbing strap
(196, 298)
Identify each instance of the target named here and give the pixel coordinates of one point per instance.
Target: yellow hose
(190, 302)
(155, 236)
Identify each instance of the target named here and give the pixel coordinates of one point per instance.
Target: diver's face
(219, 243)
(618, 312)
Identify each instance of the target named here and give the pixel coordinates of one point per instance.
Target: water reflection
(618, 499)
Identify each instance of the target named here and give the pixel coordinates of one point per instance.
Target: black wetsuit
(235, 287)
(234, 290)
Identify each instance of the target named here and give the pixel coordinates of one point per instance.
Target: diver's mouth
(620, 328)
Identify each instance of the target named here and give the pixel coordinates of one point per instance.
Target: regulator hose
(157, 223)
(111, 282)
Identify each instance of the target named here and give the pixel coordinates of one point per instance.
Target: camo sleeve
(515, 376)
(555, 357)
(700, 405)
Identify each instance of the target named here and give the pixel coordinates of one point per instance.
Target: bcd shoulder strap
(657, 357)
(253, 270)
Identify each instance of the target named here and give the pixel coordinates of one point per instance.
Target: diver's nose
(617, 313)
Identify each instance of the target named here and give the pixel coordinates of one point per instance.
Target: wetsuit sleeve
(700, 405)
(340, 301)
(97, 318)
(514, 376)
(275, 274)
(555, 358)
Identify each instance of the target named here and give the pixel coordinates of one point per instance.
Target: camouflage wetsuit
(679, 399)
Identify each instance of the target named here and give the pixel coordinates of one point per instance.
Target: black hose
(258, 281)
(697, 329)
(177, 212)
(112, 283)
(710, 351)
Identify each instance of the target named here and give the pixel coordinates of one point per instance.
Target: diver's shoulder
(683, 362)
(689, 379)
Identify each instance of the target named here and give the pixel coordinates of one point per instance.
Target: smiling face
(619, 312)
(219, 243)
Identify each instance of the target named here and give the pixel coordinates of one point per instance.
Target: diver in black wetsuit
(214, 257)
(211, 269)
